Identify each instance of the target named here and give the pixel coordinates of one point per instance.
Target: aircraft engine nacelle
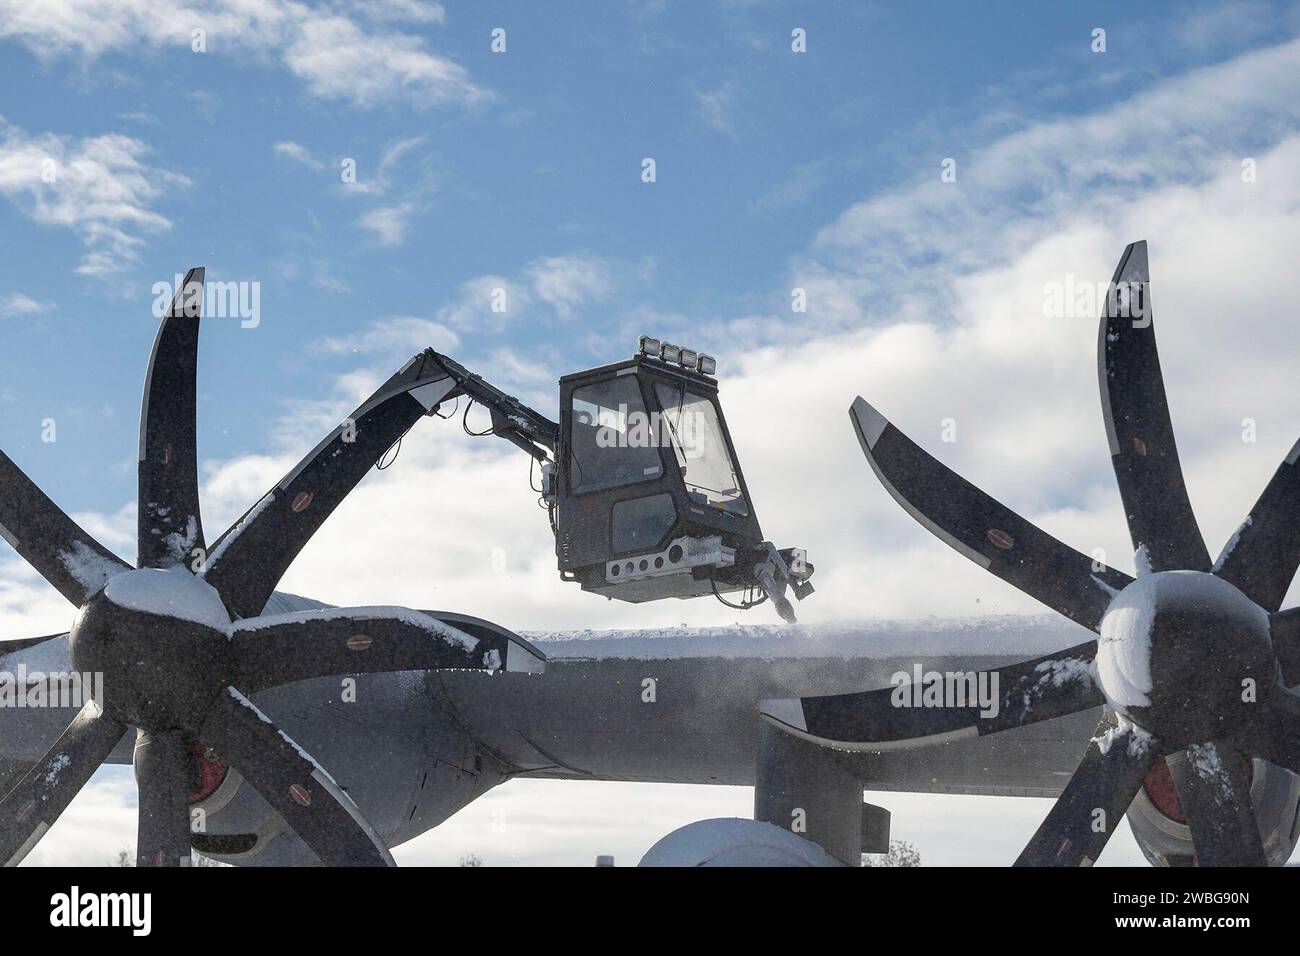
(1161, 830)
(734, 841)
(405, 761)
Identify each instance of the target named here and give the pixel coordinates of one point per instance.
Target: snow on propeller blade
(1187, 656)
(175, 639)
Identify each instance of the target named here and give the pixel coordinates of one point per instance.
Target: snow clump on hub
(172, 592)
(1123, 664)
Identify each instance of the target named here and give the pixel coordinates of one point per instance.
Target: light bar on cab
(676, 355)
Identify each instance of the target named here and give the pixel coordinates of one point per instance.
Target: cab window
(608, 445)
(701, 449)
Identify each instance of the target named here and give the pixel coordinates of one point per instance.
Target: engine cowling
(1161, 830)
(734, 841)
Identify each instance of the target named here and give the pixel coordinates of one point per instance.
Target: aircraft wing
(681, 705)
(672, 706)
(29, 726)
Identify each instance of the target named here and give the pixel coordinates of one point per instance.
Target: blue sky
(522, 170)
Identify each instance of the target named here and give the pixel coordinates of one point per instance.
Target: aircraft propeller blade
(1277, 739)
(1141, 436)
(247, 562)
(1284, 629)
(1085, 815)
(65, 555)
(34, 803)
(169, 528)
(983, 530)
(283, 648)
(1262, 557)
(1041, 689)
(163, 772)
(325, 817)
(1214, 791)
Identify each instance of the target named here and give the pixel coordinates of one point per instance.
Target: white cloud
(339, 60)
(473, 307)
(401, 161)
(520, 371)
(561, 286)
(389, 224)
(98, 824)
(716, 107)
(1210, 26)
(929, 301)
(400, 334)
(393, 155)
(406, 11)
(336, 57)
(138, 116)
(801, 184)
(296, 152)
(1033, 182)
(19, 304)
(101, 187)
(566, 283)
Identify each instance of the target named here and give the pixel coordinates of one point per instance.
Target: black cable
(745, 604)
(464, 423)
(451, 414)
(542, 500)
(395, 448)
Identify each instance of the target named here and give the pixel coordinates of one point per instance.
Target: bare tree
(126, 857)
(901, 853)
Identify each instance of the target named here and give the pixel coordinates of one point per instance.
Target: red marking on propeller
(300, 795)
(301, 501)
(1160, 789)
(999, 538)
(358, 642)
(211, 772)
(1159, 785)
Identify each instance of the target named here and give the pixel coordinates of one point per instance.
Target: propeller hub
(1185, 655)
(161, 639)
